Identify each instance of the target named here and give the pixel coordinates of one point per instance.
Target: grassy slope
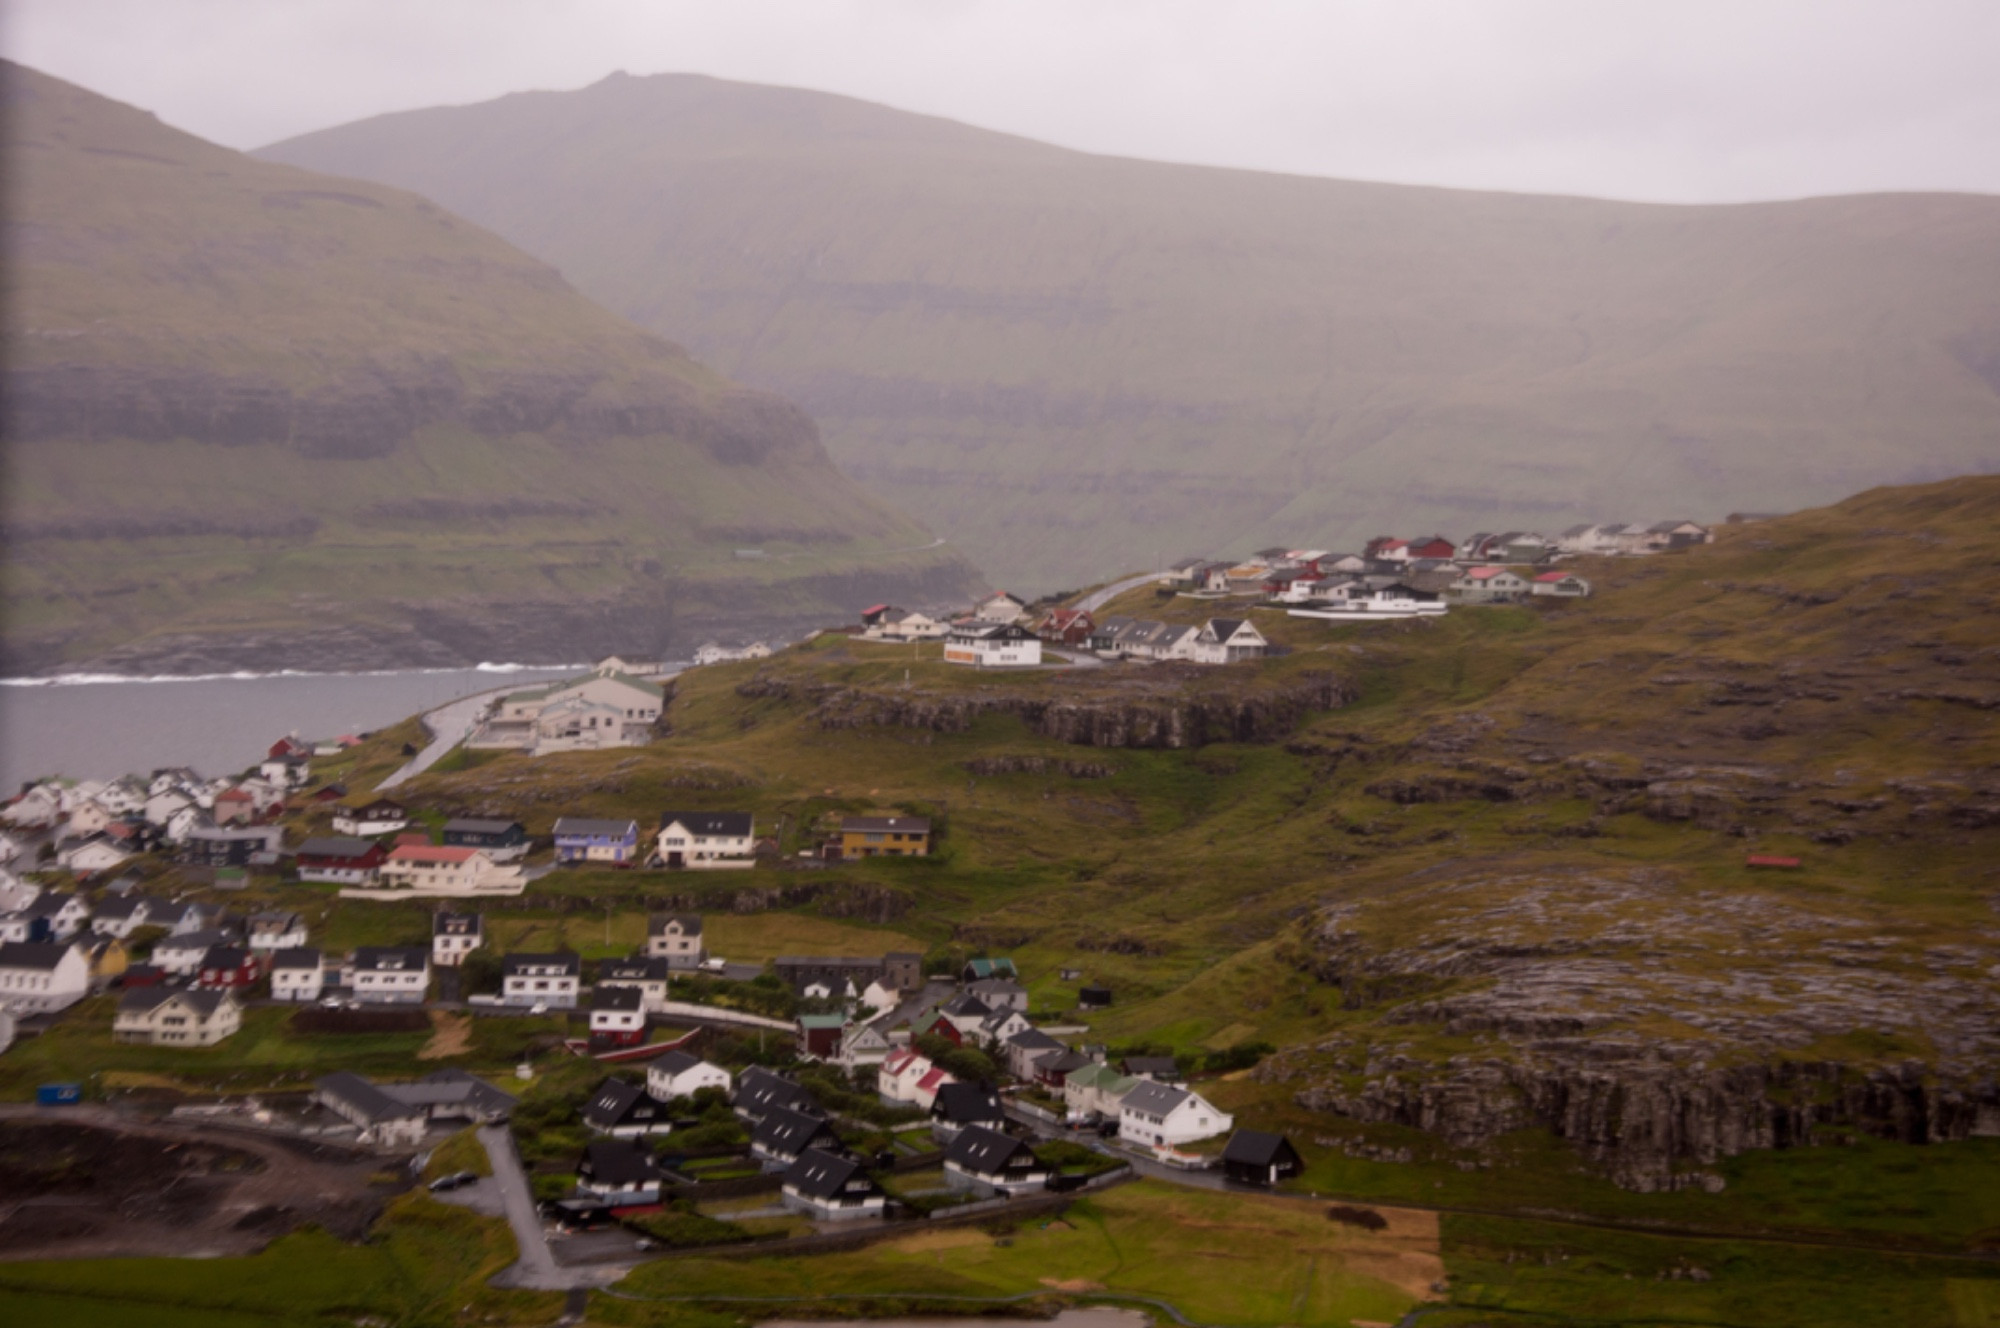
(1073, 364)
(138, 250)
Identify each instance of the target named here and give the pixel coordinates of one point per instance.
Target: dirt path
(451, 1035)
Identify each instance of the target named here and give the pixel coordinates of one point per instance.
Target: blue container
(59, 1095)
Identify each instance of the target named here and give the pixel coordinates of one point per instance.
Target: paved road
(1097, 599)
(536, 1268)
(448, 726)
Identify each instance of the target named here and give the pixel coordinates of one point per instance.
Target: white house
(541, 979)
(163, 806)
(831, 1188)
(380, 817)
(176, 1017)
(36, 808)
(454, 936)
(443, 872)
(901, 625)
(707, 839)
(1487, 585)
(678, 1074)
(676, 938)
(896, 1080)
(180, 954)
(646, 974)
(120, 917)
(1163, 1116)
(297, 975)
(1095, 1090)
(1000, 607)
(618, 1014)
(862, 1044)
(275, 930)
(86, 818)
(1566, 585)
(1228, 640)
(38, 977)
(93, 855)
(391, 975)
(64, 913)
(989, 645)
(601, 710)
(987, 1161)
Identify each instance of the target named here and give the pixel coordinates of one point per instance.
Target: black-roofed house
(831, 1187)
(454, 936)
(502, 841)
(677, 1074)
(625, 1110)
(622, 1173)
(784, 1134)
(1254, 1157)
(707, 840)
(676, 938)
(340, 859)
(1228, 641)
(550, 980)
(39, 977)
(988, 1162)
(1053, 1070)
(176, 1017)
(399, 1114)
(1160, 1069)
(646, 976)
(617, 1017)
(390, 974)
(298, 974)
(760, 1091)
(960, 1105)
(1026, 1048)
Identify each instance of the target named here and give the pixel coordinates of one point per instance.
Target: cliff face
(1172, 707)
(261, 418)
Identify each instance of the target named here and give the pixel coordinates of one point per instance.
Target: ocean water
(96, 727)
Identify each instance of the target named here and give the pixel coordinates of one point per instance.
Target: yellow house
(885, 837)
(108, 959)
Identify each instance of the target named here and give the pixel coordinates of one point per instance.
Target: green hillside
(260, 417)
(1073, 364)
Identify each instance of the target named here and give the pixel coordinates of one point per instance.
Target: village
(812, 1089)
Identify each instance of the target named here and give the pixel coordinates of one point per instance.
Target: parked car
(453, 1181)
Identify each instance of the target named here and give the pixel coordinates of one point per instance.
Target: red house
(944, 1028)
(1432, 546)
(1384, 546)
(1067, 627)
(287, 746)
(225, 967)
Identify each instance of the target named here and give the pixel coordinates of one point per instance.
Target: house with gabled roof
(1164, 1116)
(550, 979)
(990, 1162)
(500, 840)
(678, 1074)
(992, 645)
(340, 859)
(783, 1134)
(676, 938)
(454, 936)
(622, 1173)
(706, 840)
(957, 1106)
(600, 710)
(1228, 641)
(831, 1188)
(596, 841)
(1563, 585)
(297, 975)
(617, 1016)
(896, 1080)
(390, 974)
(648, 977)
(437, 871)
(759, 1092)
(625, 1110)
(1488, 585)
(1027, 1047)
(379, 816)
(176, 1017)
(1095, 1092)
(1254, 1157)
(274, 929)
(1066, 627)
(40, 977)
(1000, 607)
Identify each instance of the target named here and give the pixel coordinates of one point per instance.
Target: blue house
(612, 843)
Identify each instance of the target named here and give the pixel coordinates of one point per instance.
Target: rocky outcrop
(1038, 765)
(1168, 708)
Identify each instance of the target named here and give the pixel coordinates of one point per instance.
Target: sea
(97, 726)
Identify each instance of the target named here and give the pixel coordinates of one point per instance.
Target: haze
(1689, 102)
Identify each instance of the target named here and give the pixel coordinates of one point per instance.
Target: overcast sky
(1671, 100)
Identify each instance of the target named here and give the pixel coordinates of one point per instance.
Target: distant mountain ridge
(1073, 364)
(256, 417)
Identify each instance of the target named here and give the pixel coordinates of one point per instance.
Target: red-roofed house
(928, 1086)
(1431, 546)
(1067, 627)
(235, 807)
(445, 871)
(1387, 549)
(1567, 584)
(1488, 585)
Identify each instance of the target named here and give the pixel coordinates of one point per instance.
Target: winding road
(1097, 599)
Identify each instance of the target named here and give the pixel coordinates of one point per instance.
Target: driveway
(537, 1268)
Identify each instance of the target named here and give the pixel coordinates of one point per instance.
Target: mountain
(1071, 363)
(258, 417)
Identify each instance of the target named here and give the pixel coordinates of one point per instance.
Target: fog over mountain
(1074, 364)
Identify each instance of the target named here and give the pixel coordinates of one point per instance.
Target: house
(399, 1114)
(340, 859)
(831, 1188)
(759, 1092)
(998, 1026)
(274, 930)
(87, 857)
(293, 771)
(1566, 584)
(981, 970)
(623, 1173)
(1430, 546)
(54, 915)
(707, 839)
(714, 653)
(1095, 1092)
(883, 836)
(176, 1017)
(959, 1019)
(626, 1111)
(440, 872)
(876, 614)
(541, 979)
(1164, 1116)
(1254, 1157)
(41, 977)
(783, 1134)
(454, 936)
(395, 975)
(297, 975)
(1678, 534)
(647, 977)
(676, 938)
(1228, 641)
(181, 953)
(228, 968)
(502, 841)
(617, 1016)
(36, 808)
(1385, 548)
(819, 1035)
(958, 1106)
(224, 845)
(678, 1075)
(601, 710)
(1000, 607)
(924, 1092)
(999, 993)
(121, 915)
(989, 1162)
(893, 624)
(602, 842)
(992, 645)
(1093, 998)
(1053, 1071)
(383, 816)
(896, 1078)
(1066, 627)
(1488, 585)
(1027, 1047)
(1159, 1069)
(862, 1044)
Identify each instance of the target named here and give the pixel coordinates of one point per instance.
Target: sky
(1688, 101)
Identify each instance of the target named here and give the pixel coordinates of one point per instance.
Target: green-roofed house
(1094, 1092)
(819, 1035)
(607, 708)
(978, 970)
